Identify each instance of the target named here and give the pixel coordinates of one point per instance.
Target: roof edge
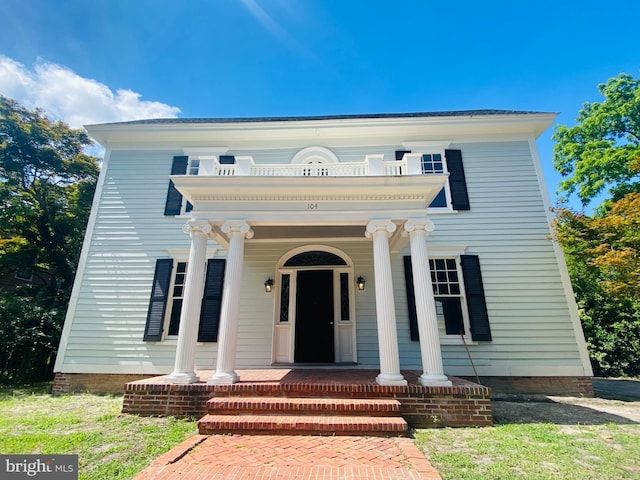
(221, 120)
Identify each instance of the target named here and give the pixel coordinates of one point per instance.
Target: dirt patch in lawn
(616, 401)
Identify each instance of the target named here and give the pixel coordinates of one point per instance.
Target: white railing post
(207, 166)
(244, 165)
(414, 163)
(376, 164)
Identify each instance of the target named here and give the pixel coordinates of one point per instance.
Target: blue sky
(91, 61)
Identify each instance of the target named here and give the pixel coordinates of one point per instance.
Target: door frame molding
(344, 331)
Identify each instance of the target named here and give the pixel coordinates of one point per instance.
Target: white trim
(312, 154)
(428, 146)
(314, 247)
(562, 267)
(82, 263)
(204, 152)
(170, 297)
(301, 131)
(183, 253)
(445, 250)
(290, 325)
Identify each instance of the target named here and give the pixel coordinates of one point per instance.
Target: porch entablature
(309, 200)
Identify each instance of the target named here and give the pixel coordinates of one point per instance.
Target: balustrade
(342, 169)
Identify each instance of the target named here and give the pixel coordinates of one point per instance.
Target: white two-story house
(391, 242)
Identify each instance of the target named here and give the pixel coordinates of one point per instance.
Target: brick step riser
(289, 425)
(283, 392)
(301, 412)
(303, 406)
(298, 431)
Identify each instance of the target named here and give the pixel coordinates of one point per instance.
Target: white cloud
(65, 95)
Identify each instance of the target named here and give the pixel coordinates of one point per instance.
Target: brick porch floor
(463, 404)
(266, 457)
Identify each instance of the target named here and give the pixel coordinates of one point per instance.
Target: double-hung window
(447, 291)
(177, 295)
(453, 195)
(167, 297)
(459, 298)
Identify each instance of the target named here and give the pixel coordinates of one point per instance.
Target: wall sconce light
(268, 285)
(361, 282)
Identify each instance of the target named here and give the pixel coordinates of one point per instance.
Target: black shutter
(411, 298)
(174, 197)
(212, 301)
(452, 311)
(457, 181)
(478, 316)
(158, 301)
(400, 153)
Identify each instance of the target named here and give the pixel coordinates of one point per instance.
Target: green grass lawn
(115, 446)
(109, 445)
(536, 451)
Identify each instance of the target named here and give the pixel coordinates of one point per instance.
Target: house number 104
(312, 206)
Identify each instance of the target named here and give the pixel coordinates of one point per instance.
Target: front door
(314, 335)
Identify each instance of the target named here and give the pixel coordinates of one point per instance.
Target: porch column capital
(418, 225)
(195, 227)
(238, 226)
(380, 226)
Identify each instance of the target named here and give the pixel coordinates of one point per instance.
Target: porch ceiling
(308, 201)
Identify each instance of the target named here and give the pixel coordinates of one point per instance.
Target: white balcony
(373, 165)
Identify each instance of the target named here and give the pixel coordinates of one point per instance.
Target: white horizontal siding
(506, 227)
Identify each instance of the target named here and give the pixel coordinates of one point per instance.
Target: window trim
(454, 338)
(162, 299)
(18, 275)
(170, 299)
(457, 253)
(441, 148)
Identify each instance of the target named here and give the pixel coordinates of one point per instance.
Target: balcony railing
(411, 164)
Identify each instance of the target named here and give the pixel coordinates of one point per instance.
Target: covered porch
(236, 209)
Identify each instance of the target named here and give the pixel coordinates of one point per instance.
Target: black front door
(314, 317)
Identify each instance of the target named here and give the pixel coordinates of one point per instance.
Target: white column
(230, 309)
(183, 371)
(433, 370)
(379, 231)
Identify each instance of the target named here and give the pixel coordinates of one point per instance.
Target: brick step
(317, 390)
(374, 407)
(302, 425)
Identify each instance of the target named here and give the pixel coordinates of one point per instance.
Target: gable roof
(447, 113)
(180, 133)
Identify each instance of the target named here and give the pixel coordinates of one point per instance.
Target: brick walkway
(275, 457)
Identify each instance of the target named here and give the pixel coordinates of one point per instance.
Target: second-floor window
(432, 163)
(454, 194)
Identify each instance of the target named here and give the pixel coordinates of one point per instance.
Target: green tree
(46, 187)
(601, 155)
(603, 262)
(603, 149)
